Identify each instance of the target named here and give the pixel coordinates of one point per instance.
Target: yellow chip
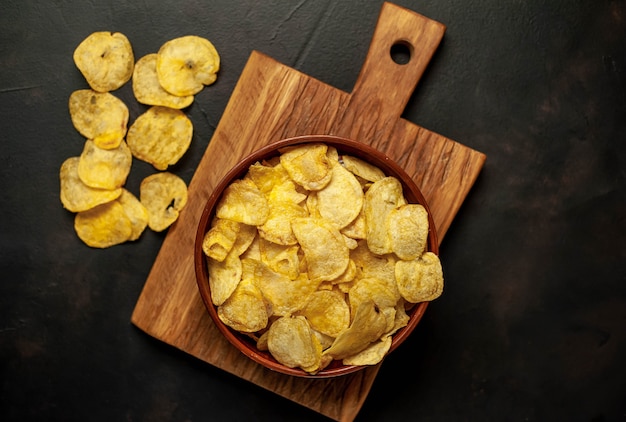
(266, 177)
(160, 136)
(407, 227)
(327, 312)
(383, 196)
(105, 59)
(224, 277)
(277, 227)
(326, 253)
(280, 258)
(186, 64)
(164, 195)
(103, 226)
(308, 165)
(362, 168)
(149, 91)
(370, 265)
(372, 354)
(341, 200)
(243, 202)
(292, 343)
(77, 196)
(245, 309)
(219, 240)
(136, 213)
(420, 280)
(383, 294)
(99, 116)
(104, 168)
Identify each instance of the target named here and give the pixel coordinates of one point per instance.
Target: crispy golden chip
(266, 177)
(370, 265)
(341, 200)
(372, 354)
(326, 253)
(77, 196)
(362, 168)
(160, 136)
(401, 318)
(104, 168)
(164, 195)
(292, 343)
(407, 227)
(103, 226)
(219, 240)
(308, 165)
(242, 201)
(186, 64)
(99, 116)
(383, 196)
(420, 280)
(149, 91)
(224, 277)
(357, 229)
(105, 59)
(327, 312)
(382, 293)
(277, 227)
(280, 258)
(368, 325)
(136, 213)
(245, 309)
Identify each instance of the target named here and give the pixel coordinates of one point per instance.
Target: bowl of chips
(316, 256)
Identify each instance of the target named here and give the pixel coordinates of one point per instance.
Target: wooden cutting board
(270, 102)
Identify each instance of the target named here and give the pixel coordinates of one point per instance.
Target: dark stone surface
(532, 324)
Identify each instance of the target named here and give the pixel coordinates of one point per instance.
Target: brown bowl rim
(345, 145)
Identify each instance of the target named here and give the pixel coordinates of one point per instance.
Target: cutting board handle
(384, 86)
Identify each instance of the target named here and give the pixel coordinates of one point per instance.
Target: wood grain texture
(270, 102)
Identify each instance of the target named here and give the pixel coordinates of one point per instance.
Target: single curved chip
(266, 177)
(327, 312)
(420, 280)
(372, 354)
(307, 165)
(242, 201)
(77, 196)
(149, 91)
(219, 240)
(136, 213)
(224, 277)
(186, 64)
(103, 226)
(99, 116)
(362, 168)
(245, 309)
(383, 294)
(382, 196)
(292, 343)
(277, 227)
(164, 195)
(105, 59)
(160, 136)
(341, 200)
(407, 227)
(104, 168)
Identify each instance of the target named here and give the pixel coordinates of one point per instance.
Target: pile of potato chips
(318, 256)
(92, 184)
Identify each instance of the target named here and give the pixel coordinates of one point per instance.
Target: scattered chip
(186, 64)
(105, 59)
(99, 116)
(160, 136)
(104, 168)
(136, 213)
(77, 196)
(164, 195)
(149, 91)
(103, 226)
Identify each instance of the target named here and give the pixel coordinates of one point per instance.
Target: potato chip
(383, 196)
(164, 195)
(362, 168)
(277, 227)
(292, 343)
(370, 265)
(246, 236)
(407, 228)
(242, 201)
(368, 325)
(160, 136)
(219, 240)
(326, 253)
(77, 196)
(382, 293)
(341, 200)
(149, 91)
(266, 177)
(280, 258)
(327, 312)
(357, 229)
(307, 165)
(103, 226)
(136, 213)
(372, 354)
(105, 59)
(104, 168)
(99, 116)
(186, 64)
(245, 309)
(420, 280)
(224, 277)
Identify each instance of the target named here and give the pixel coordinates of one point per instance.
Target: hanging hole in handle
(401, 52)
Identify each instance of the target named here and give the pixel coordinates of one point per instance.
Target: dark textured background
(532, 324)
